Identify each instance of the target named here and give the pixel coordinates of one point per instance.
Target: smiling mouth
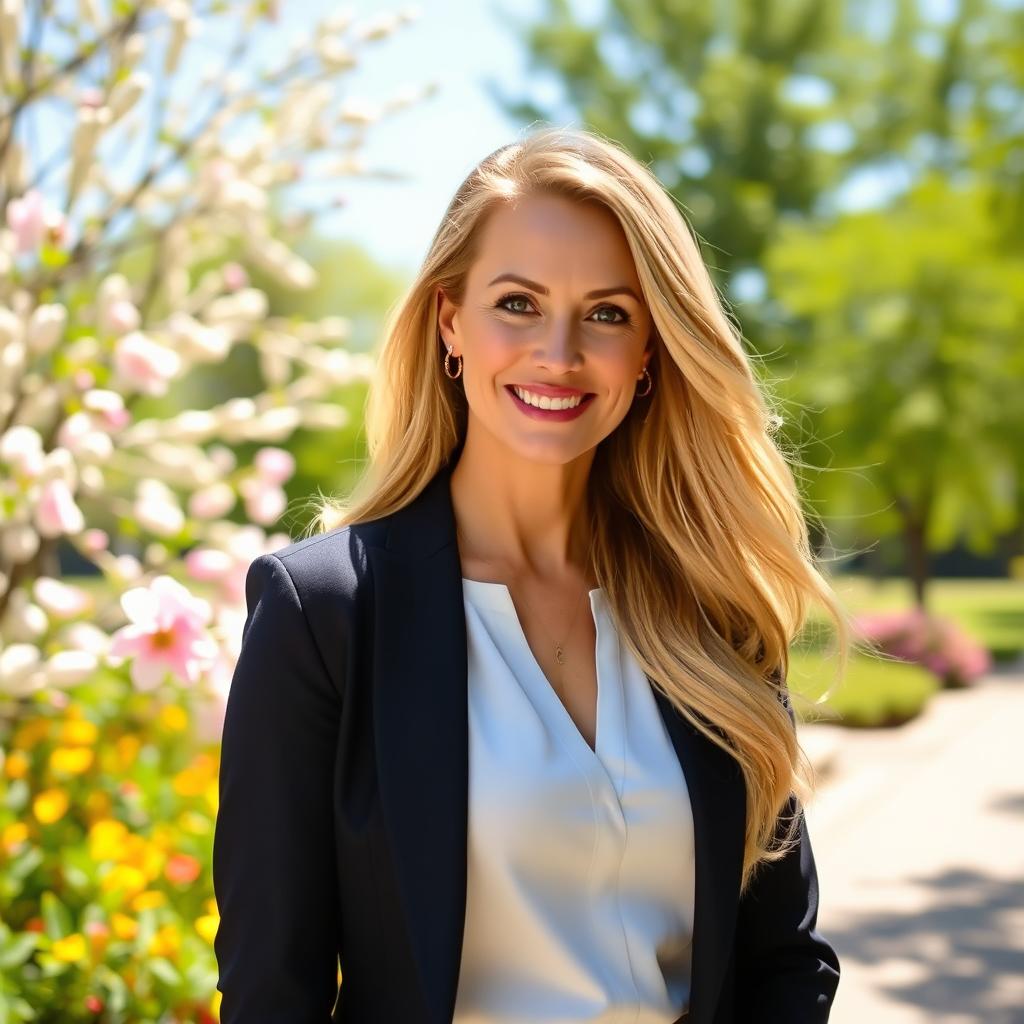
(583, 399)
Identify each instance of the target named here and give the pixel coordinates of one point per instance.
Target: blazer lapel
(422, 746)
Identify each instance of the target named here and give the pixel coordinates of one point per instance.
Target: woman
(510, 735)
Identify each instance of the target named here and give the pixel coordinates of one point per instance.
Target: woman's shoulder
(331, 569)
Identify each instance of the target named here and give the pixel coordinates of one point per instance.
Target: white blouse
(580, 888)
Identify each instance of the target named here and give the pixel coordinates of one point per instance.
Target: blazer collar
(422, 748)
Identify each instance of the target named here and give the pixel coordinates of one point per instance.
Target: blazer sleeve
(786, 971)
(274, 873)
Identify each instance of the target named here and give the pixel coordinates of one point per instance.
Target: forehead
(554, 240)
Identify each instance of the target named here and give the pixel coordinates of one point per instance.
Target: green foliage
(895, 331)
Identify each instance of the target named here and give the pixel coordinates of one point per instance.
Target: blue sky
(456, 43)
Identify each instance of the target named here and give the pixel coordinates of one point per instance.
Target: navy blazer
(341, 829)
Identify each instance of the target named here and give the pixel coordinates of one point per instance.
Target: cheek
(493, 346)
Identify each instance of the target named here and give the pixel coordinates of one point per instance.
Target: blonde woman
(509, 735)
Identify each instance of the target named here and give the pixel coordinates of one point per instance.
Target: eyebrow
(598, 293)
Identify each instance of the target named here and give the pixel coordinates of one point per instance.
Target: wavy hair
(699, 539)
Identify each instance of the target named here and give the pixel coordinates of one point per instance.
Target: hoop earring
(448, 373)
(650, 385)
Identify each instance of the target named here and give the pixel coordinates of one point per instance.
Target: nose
(558, 348)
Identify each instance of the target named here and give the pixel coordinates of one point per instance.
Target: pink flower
(26, 217)
(167, 633)
(57, 514)
(212, 502)
(275, 465)
(144, 364)
(121, 316)
(263, 504)
(33, 220)
(937, 644)
(235, 276)
(95, 540)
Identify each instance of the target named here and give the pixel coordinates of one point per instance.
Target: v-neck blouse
(580, 886)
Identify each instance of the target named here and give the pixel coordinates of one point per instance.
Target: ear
(446, 310)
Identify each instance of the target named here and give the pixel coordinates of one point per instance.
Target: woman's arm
(786, 971)
(273, 850)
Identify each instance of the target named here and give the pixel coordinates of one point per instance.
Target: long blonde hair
(699, 539)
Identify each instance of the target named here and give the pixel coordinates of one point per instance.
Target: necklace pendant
(559, 655)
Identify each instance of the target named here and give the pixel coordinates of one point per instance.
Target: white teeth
(544, 402)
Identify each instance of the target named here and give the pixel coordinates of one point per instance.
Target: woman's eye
(624, 316)
(615, 309)
(512, 298)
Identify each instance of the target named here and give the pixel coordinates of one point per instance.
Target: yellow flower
(148, 900)
(98, 805)
(70, 760)
(166, 942)
(165, 836)
(194, 823)
(213, 796)
(124, 927)
(211, 906)
(106, 839)
(215, 1003)
(17, 765)
(124, 878)
(140, 853)
(79, 732)
(127, 748)
(70, 949)
(207, 927)
(193, 780)
(50, 805)
(173, 718)
(14, 835)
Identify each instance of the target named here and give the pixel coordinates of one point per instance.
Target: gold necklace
(559, 647)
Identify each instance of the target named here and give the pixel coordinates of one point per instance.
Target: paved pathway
(918, 835)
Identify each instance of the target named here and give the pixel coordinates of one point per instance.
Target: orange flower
(17, 765)
(182, 869)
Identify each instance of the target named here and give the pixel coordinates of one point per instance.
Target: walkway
(918, 835)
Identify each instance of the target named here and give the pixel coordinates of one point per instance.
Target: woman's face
(552, 305)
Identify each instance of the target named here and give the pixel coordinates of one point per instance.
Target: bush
(934, 642)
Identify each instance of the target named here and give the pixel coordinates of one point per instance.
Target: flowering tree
(138, 188)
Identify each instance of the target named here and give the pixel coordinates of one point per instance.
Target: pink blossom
(212, 502)
(56, 513)
(167, 633)
(265, 505)
(275, 465)
(144, 364)
(121, 316)
(235, 276)
(208, 563)
(95, 540)
(26, 217)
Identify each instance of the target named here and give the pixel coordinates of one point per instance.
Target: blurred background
(207, 210)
